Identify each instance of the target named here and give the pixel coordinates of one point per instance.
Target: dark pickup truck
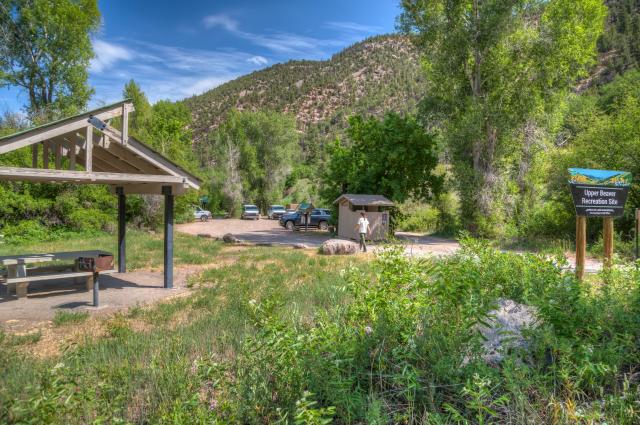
(319, 218)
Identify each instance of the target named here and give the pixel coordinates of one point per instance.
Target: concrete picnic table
(19, 276)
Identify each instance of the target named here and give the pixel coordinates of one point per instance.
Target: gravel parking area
(269, 232)
(261, 231)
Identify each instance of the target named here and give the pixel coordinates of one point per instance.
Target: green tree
(168, 132)
(394, 157)
(45, 49)
(257, 150)
(621, 41)
(492, 66)
(602, 131)
(142, 115)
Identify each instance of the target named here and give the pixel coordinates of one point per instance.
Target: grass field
(284, 336)
(144, 250)
(149, 361)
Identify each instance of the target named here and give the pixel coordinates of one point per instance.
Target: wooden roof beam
(52, 130)
(126, 155)
(84, 177)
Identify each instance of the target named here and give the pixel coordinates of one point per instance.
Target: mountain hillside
(376, 75)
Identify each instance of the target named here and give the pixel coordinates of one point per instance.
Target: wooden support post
(581, 245)
(21, 287)
(125, 124)
(637, 234)
(168, 236)
(122, 229)
(607, 236)
(88, 155)
(45, 155)
(34, 155)
(72, 157)
(58, 156)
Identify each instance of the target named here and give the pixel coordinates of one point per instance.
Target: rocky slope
(376, 75)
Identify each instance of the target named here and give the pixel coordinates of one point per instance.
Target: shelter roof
(87, 149)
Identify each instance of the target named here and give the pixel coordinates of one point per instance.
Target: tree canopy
(45, 49)
(253, 153)
(393, 157)
(494, 66)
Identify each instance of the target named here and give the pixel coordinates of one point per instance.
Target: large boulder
(229, 238)
(339, 247)
(504, 332)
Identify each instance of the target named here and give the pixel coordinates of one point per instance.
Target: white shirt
(363, 223)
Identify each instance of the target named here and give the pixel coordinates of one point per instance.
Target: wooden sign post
(581, 245)
(597, 193)
(637, 236)
(607, 239)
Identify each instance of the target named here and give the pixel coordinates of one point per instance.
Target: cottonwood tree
(394, 157)
(257, 150)
(45, 49)
(492, 65)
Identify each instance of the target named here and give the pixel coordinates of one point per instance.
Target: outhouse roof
(365, 200)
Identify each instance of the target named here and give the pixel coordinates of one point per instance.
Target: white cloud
(221, 20)
(352, 27)
(258, 60)
(107, 55)
(279, 42)
(169, 72)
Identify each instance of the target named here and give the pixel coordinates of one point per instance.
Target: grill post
(168, 236)
(96, 290)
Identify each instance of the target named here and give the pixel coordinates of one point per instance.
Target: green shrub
(406, 348)
(623, 248)
(90, 220)
(418, 218)
(24, 231)
(549, 219)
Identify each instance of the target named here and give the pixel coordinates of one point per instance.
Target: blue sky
(175, 49)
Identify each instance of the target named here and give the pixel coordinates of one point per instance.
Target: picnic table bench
(19, 275)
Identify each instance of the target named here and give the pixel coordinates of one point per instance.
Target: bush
(90, 220)
(549, 219)
(418, 218)
(624, 248)
(406, 349)
(27, 230)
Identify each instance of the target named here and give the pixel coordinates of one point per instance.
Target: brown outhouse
(377, 208)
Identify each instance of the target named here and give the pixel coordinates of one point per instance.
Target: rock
(504, 332)
(338, 247)
(299, 246)
(229, 238)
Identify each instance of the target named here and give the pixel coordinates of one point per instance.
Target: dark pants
(363, 243)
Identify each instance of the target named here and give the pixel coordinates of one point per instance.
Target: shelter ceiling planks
(104, 154)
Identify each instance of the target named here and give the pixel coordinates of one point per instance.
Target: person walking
(363, 228)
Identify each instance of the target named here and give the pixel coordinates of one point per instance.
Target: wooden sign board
(597, 193)
(599, 201)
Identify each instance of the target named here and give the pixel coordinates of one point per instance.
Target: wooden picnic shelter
(88, 149)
